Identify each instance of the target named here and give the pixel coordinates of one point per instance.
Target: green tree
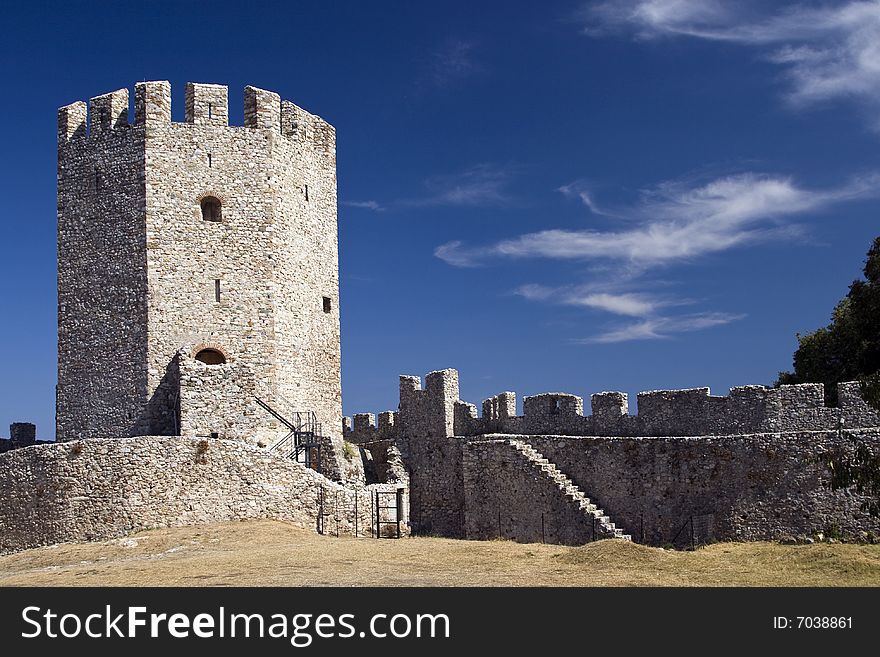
(848, 349)
(857, 469)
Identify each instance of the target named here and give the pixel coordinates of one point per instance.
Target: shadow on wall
(161, 416)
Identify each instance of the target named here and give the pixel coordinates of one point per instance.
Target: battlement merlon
(301, 125)
(206, 104)
(663, 403)
(552, 403)
(72, 121)
(152, 103)
(854, 409)
(442, 394)
(609, 406)
(262, 109)
(429, 412)
(23, 433)
(108, 111)
(500, 406)
(364, 422)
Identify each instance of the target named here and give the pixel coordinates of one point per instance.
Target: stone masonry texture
(103, 488)
(512, 491)
(748, 466)
(145, 282)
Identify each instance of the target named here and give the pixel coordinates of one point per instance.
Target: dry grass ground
(268, 553)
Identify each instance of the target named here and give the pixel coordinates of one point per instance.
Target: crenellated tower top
(205, 104)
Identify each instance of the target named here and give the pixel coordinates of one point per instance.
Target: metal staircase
(302, 443)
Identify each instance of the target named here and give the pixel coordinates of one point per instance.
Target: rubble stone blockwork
(179, 237)
(748, 466)
(105, 488)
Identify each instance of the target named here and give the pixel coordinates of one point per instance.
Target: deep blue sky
(547, 196)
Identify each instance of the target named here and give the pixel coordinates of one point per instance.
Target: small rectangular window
(326, 304)
(215, 435)
(217, 290)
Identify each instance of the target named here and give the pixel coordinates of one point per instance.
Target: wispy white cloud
(581, 190)
(454, 60)
(588, 296)
(676, 222)
(657, 328)
(480, 185)
(456, 254)
(828, 51)
(652, 311)
(367, 205)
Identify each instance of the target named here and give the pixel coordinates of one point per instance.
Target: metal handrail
(305, 434)
(693, 542)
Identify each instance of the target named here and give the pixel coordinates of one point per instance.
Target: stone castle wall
(103, 488)
(205, 388)
(102, 277)
(510, 492)
(307, 331)
(693, 412)
(140, 270)
(744, 488)
(754, 483)
(186, 255)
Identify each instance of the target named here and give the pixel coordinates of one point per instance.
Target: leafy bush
(848, 349)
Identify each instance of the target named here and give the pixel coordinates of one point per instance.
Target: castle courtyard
(272, 553)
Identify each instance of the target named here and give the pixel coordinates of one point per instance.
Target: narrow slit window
(209, 160)
(307, 193)
(210, 110)
(327, 305)
(217, 290)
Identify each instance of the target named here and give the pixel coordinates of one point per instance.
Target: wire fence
(697, 530)
(340, 514)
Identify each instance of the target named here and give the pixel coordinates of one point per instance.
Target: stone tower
(197, 268)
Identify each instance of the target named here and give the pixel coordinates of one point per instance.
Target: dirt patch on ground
(270, 553)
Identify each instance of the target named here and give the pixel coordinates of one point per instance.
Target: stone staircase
(543, 467)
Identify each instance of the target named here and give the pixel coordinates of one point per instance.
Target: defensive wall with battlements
(747, 466)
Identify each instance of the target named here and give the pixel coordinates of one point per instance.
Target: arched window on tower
(211, 357)
(211, 209)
